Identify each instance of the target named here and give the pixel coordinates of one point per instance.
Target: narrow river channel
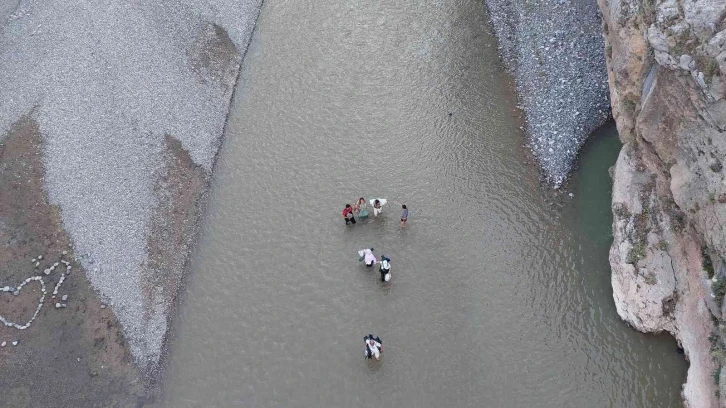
(498, 299)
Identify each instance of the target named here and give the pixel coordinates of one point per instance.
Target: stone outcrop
(666, 68)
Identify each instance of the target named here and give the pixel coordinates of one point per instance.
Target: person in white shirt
(378, 204)
(374, 346)
(367, 256)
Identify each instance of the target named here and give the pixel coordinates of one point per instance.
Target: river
(501, 289)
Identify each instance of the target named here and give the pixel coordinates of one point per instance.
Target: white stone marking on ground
(41, 301)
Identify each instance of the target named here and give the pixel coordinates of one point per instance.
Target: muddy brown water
(498, 297)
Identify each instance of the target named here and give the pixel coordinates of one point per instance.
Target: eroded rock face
(669, 196)
(658, 281)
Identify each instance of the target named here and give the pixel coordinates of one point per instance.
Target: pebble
(57, 305)
(32, 260)
(15, 343)
(37, 264)
(64, 298)
(40, 257)
(3, 344)
(65, 252)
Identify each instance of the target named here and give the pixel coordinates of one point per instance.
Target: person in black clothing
(374, 346)
(385, 268)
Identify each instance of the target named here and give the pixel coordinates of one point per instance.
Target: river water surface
(499, 298)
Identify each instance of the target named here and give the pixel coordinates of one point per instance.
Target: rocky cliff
(666, 65)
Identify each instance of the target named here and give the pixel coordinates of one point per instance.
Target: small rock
(64, 298)
(103, 306)
(40, 257)
(32, 260)
(37, 264)
(15, 343)
(63, 305)
(55, 264)
(6, 289)
(701, 81)
(3, 344)
(65, 252)
(57, 305)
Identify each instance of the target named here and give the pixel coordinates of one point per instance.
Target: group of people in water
(374, 345)
(360, 209)
(366, 255)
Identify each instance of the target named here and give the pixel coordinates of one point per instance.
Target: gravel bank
(555, 51)
(107, 82)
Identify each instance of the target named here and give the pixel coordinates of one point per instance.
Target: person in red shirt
(348, 215)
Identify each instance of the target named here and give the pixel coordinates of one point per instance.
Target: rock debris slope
(131, 100)
(554, 49)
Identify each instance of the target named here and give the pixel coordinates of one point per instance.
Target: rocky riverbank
(112, 118)
(554, 50)
(666, 68)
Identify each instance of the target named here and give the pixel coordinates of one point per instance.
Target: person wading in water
(348, 215)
